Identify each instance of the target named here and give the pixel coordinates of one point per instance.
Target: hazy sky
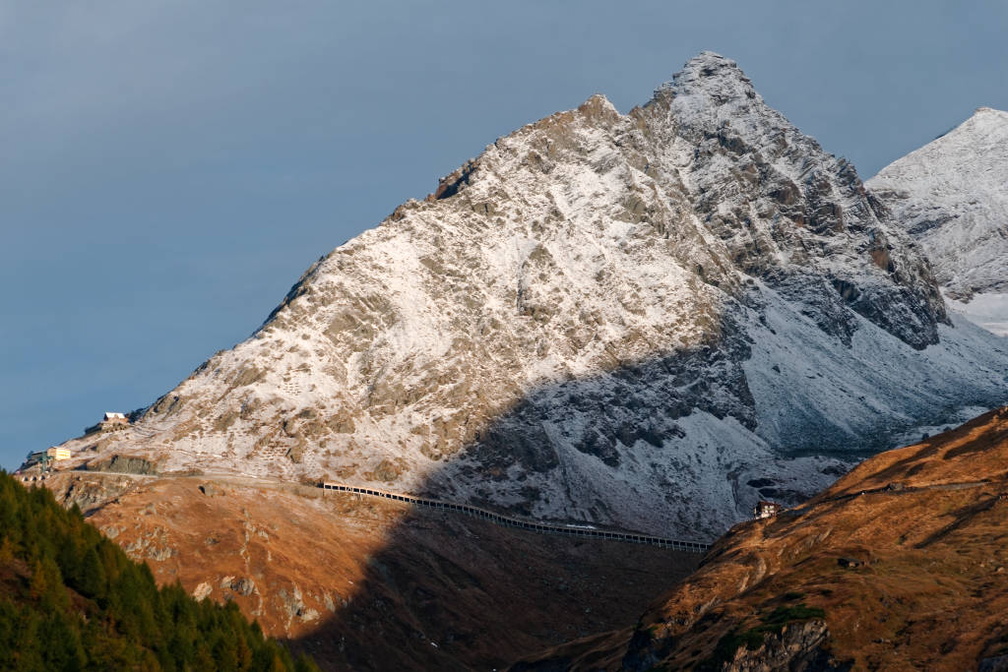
(168, 169)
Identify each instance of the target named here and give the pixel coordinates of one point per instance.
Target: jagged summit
(600, 103)
(647, 320)
(713, 75)
(712, 93)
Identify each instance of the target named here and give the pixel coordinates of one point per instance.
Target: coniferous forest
(70, 599)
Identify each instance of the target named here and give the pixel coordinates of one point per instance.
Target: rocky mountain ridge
(647, 320)
(952, 196)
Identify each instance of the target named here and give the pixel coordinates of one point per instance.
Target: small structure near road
(44, 460)
(765, 509)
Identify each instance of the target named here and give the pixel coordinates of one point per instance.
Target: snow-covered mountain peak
(990, 112)
(598, 103)
(711, 98)
(711, 74)
(711, 91)
(633, 319)
(792, 197)
(952, 194)
(986, 124)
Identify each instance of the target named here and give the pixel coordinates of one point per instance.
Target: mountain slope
(952, 195)
(901, 565)
(370, 584)
(71, 600)
(640, 320)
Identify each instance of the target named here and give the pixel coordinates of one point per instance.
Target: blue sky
(168, 169)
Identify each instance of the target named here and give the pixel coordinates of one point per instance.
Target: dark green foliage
(71, 600)
(753, 638)
(781, 616)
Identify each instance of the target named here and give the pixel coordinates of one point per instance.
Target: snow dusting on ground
(989, 310)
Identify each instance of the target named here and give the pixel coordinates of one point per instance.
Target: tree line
(70, 599)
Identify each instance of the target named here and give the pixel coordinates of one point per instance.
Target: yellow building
(57, 454)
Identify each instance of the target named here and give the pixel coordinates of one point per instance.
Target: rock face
(952, 196)
(648, 320)
(800, 646)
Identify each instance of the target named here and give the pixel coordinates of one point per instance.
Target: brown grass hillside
(901, 565)
(369, 584)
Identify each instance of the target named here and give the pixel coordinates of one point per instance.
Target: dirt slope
(374, 585)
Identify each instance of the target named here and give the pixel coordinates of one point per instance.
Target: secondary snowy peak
(952, 195)
(639, 320)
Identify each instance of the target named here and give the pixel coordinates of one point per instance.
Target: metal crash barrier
(533, 526)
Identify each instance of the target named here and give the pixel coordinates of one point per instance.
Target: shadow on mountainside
(377, 585)
(373, 584)
(449, 592)
(678, 445)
